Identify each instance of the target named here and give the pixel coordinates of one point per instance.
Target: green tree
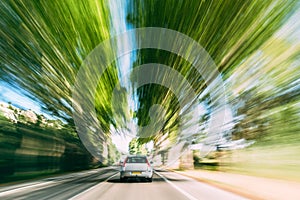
(43, 44)
(135, 147)
(230, 31)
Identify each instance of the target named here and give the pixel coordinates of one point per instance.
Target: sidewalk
(248, 186)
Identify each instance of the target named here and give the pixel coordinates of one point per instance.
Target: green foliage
(230, 31)
(113, 154)
(135, 147)
(43, 44)
(28, 147)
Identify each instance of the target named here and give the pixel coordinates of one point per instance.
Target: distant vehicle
(136, 166)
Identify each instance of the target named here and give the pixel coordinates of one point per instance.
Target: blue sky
(8, 94)
(19, 100)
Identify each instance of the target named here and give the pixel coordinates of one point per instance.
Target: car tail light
(124, 163)
(148, 166)
(148, 163)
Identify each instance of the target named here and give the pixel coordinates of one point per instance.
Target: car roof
(136, 156)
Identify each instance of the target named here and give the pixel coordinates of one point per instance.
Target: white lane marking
(59, 179)
(91, 188)
(190, 197)
(24, 188)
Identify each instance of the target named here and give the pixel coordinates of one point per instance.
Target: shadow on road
(141, 180)
(130, 180)
(161, 170)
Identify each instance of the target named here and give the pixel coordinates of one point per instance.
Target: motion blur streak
(254, 44)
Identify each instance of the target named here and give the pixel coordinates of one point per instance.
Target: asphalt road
(105, 184)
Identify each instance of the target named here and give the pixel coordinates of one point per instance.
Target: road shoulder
(247, 186)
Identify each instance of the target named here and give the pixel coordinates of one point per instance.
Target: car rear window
(137, 160)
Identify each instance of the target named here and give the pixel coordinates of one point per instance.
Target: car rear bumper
(138, 174)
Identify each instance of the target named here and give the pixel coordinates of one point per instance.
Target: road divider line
(91, 188)
(190, 197)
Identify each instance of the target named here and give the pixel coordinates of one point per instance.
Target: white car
(136, 166)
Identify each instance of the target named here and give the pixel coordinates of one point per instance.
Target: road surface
(105, 184)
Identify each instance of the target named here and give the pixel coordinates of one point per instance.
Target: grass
(275, 161)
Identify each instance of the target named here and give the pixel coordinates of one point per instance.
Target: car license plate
(135, 173)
